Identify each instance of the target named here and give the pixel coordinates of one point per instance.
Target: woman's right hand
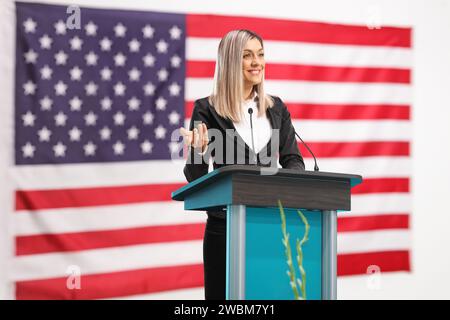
(197, 138)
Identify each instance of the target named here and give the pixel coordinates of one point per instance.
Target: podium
(256, 260)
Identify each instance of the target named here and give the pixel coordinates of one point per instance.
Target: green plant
(296, 284)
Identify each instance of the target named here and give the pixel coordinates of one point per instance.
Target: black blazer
(279, 117)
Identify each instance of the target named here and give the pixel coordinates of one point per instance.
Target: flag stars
(119, 89)
(118, 148)
(45, 41)
(105, 133)
(91, 89)
(147, 118)
(160, 132)
(134, 74)
(46, 103)
(60, 119)
(75, 104)
(134, 103)
(119, 119)
(30, 56)
(46, 72)
(28, 150)
(105, 44)
(120, 30)
(175, 61)
(174, 89)
(29, 25)
(91, 59)
(149, 60)
(175, 33)
(61, 58)
(28, 119)
(59, 149)
(29, 88)
(106, 74)
(89, 149)
(76, 43)
(90, 119)
(76, 73)
(163, 74)
(106, 103)
(44, 134)
(161, 103)
(60, 88)
(149, 89)
(148, 31)
(134, 45)
(91, 29)
(133, 133)
(119, 60)
(75, 134)
(146, 147)
(162, 46)
(174, 117)
(60, 27)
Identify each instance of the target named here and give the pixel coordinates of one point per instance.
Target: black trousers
(214, 258)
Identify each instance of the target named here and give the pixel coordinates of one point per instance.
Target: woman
(238, 88)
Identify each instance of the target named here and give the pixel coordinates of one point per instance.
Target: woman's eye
(261, 54)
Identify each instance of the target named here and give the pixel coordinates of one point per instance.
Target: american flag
(95, 108)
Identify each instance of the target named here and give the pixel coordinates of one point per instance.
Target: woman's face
(253, 62)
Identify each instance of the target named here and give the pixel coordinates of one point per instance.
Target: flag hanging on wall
(94, 110)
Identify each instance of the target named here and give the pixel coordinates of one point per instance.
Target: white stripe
(379, 203)
(354, 130)
(317, 92)
(373, 241)
(97, 174)
(104, 218)
(43, 266)
(182, 294)
(291, 52)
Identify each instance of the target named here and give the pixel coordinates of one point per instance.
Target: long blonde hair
(228, 81)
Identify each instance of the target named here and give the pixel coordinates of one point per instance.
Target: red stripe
(216, 26)
(355, 149)
(382, 185)
(76, 241)
(359, 263)
(116, 284)
(85, 197)
(312, 111)
(205, 69)
(376, 222)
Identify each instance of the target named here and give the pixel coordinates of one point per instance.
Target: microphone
(316, 168)
(250, 111)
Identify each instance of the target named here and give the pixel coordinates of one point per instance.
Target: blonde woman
(228, 113)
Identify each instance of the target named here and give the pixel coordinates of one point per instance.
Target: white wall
(431, 121)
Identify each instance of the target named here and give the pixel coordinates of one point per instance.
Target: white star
(60, 27)
(60, 88)
(75, 104)
(134, 103)
(45, 41)
(161, 103)
(133, 133)
(30, 56)
(29, 87)
(91, 89)
(106, 73)
(105, 44)
(91, 59)
(46, 103)
(118, 147)
(75, 134)
(147, 118)
(119, 89)
(89, 149)
(162, 46)
(44, 134)
(28, 150)
(29, 25)
(106, 103)
(105, 133)
(134, 45)
(90, 119)
(163, 74)
(119, 60)
(175, 61)
(76, 43)
(119, 119)
(175, 33)
(28, 119)
(160, 132)
(46, 72)
(146, 146)
(59, 149)
(148, 31)
(174, 89)
(91, 29)
(174, 117)
(134, 74)
(149, 89)
(61, 58)
(175, 147)
(76, 73)
(60, 119)
(149, 60)
(120, 30)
